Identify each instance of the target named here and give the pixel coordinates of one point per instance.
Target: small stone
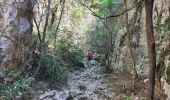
(136, 98)
(83, 98)
(18, 97)
(7, 80)
(47, 94)
(115, 77)
(82, 88)
(101, 88)
(40, 91)
(20, 94)
(146, 80)
(63, 96)
(103, 82)
(75, 93)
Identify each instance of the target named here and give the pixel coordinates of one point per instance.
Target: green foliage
(166, 25)
(63, 55)
(105, 8)
(54, 67)
(55, 63)
(70, 53)
(106, 3)
(77, 14)
(57, 59)
(103, 3)
(99, 39)
(18, 82)
(127, 98)
(53, 70)
(163, 70)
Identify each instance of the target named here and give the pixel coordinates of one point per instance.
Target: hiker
(89, 57)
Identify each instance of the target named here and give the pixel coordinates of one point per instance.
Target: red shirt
(90, 55)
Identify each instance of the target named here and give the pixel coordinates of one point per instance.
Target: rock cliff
(161, 13)
(15, 33)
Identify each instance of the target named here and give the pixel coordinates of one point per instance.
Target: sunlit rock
(15, 33)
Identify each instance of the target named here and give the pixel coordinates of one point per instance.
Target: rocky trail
(89, 83)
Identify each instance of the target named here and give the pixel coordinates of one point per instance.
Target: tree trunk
(151, 49)
(46, 22)
(56, 30)
(53, 15)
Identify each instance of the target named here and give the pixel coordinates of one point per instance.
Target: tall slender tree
(60, 18)
(151, 48)
(46, 21)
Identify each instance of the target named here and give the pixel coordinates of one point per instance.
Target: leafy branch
(117, 15)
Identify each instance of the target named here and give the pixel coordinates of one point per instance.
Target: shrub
(70, 53)
(53, 70)
(54, 66)
(12, 83)
(57, 59)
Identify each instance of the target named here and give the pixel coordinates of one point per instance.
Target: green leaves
(77, 14)
(18, 83)
(103, 7)
(103, 4)
(106, 3)
(166, 25)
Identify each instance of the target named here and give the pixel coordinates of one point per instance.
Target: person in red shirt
(89, 57)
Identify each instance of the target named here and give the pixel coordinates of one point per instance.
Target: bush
(70, 53)
(53, 70)
(127, 98)
(54, 67)
(57, 59)
(12, 83)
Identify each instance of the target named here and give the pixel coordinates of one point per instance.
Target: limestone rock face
(139, 43)
(15, 33)
(121, 58)
(121, 52)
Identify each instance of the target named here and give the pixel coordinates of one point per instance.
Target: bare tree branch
(39, 35)
(53, 14)
(14, 41)
(46, 21)
(62, 11)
